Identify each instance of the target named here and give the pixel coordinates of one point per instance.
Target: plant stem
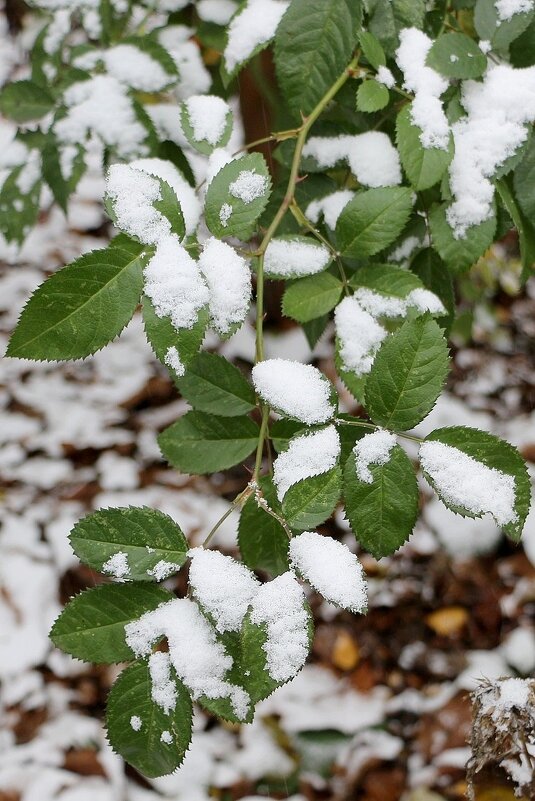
(373, 427)
(238, 501)
(288, 200)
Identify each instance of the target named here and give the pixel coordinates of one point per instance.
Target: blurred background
(382, 712)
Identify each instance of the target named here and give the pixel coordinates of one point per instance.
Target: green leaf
(262, 540)
(432, 272)
(382, 514)
(424, 166)
(372, 49)
(282, 431)
(169, 206)
(227, 214)
(24, 101)
(313, 44)
(80, 308)
(499, 33)
(311, 297)
(494, 453)
(459, 254)
(407, 375)
(526, 233)
(201, 443)
(130, 697)
(16, 225)
(309, 502)
(91, 627)
(387, 279)
(372, 220)
(203, 145)
(372, 96)
(456, 55)
(314, 330)
(524, 181)
(163, 336)
(214, 385)
(146, 536)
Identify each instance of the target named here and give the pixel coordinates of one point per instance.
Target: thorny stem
(288, 200)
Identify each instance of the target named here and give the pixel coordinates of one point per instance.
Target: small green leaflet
(386, 279)
(202, 145)
(372, 49)
(313, 44)
(372, 96)
(237, 196)
(499, 33)
(202, 443)
(163, 336)
(262, 539)
(526, 232)
(382, 514)
(407, 375)
(456, 55)
(80, 308)
(168, 205)
(282, 431)
(214, 385)
(146, 536)
(494, 453)
(309, 502)
(424, 166)
(91, 627)
(459, 254)
(24, 101)
(311, 297)
(524, 181)
(130, 706)
(372, 220)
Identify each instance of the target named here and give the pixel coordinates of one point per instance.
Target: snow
(58, 28)
(136, 722)
(519, 650)
(173, 360)
(174, 284)
(117, 565)
(135, 68)
(279, 605)
(464, 482)
(248, 186)
(166, 737)
(163, 570)
(198, 658)
(331, 206)
(427, 84)
(331, 568)
(306, 456)
(514, 693)
(374, 448)
(371, 156)
(461, 537)
(189, 202)
(253, 27)
(216, 11)
(225, 213)
(384, 75)
(296, 390)
(228, 278)
(102, 106)
(359, 336)
(163, 688)
(499, 109)
(208, 116)
(379, 305)
(194, 78)
(132, 194)
(508, 8)
(293, 258)
(223, 587)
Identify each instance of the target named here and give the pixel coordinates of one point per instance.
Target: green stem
(238, 502)
(373, 427)
(261, 440)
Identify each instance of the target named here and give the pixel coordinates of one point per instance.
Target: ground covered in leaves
(382, 712)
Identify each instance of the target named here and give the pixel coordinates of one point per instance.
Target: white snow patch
(198, 658)
(248, 186)
(163, 570)
(225, 213)
(228, 277)
(136, 722)
(163, 688)
(359, 335)
(279, 604)
(306, 456)
(166, 737)
(132, 194)
(295, 258)
(508, 8)
(189, 202)
(223, 587)
(464, 482)
(135, 68)
(296, 390)
(219, 12)
(427, 84)
(174, 284)
(253, 27)
(117, 565)
(384, 75)
(173, 360)
(208, 116)
(331, 206)
(331, 568)
(519, 650)
(373, 448)
(371, 156)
